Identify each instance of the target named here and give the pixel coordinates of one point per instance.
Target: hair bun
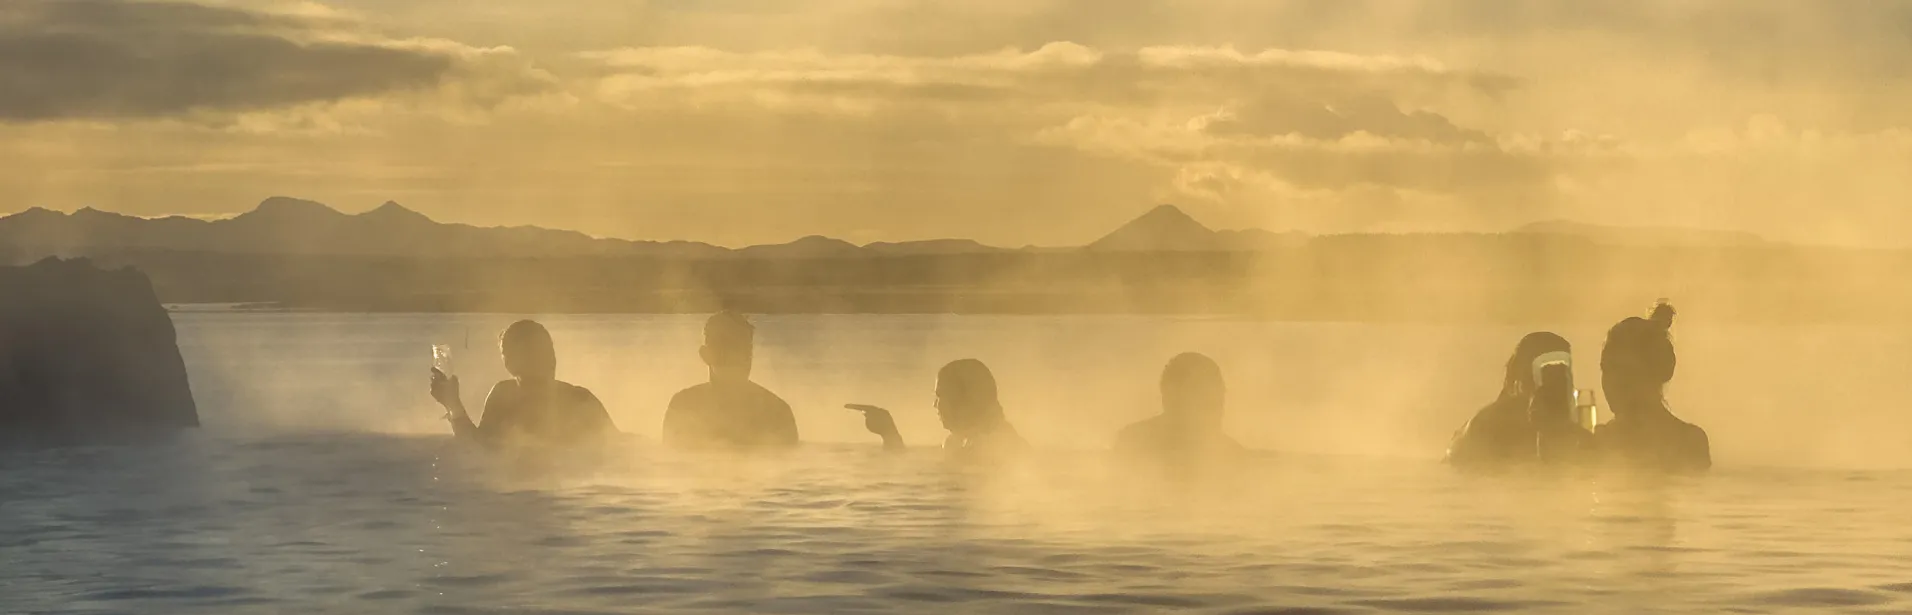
(1663, 314)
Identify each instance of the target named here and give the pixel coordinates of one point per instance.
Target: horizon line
(1529, 228)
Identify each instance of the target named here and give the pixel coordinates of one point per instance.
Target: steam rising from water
(1817, 396)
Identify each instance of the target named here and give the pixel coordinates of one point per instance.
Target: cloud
(1359, 139)
(1301, 143)
(1336, 119)
(1240, 128)
(128, 59)
(743, 120)
(1057, 71)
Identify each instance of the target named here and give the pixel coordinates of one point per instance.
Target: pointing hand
(877, 420)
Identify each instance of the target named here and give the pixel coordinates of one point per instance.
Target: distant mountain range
(294, 254)
(292, 226)
(1644, 235)
(287, 226)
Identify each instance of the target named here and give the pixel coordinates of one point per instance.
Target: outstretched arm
(879, 422)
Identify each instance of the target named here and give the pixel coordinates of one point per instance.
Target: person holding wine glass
(1503, 434)
(531, 410)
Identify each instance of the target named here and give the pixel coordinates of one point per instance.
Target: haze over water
(1323, 166)
(324, 483)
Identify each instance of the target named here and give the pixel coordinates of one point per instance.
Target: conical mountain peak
(1166, 227)
(1168, 214)
(391, 210)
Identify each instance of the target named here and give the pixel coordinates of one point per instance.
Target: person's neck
(535, 382)
(720, 379)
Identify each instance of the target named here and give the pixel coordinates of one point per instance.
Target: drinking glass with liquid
(1586, 409)
(441, 369)
(441, 359)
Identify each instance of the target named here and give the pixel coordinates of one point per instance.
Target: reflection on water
(361, 523)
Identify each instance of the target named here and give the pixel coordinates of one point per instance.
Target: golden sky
(1009, 121)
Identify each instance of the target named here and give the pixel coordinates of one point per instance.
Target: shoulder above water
(512, 386)
(703, 392)
(1139, 432)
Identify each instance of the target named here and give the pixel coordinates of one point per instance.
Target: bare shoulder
(1698, 437)
(1697, 450)
(578, 392)
(769, 402)
(692, 396)
(1127, 436)
(504, 390)
(1137, 431)
(770, 398)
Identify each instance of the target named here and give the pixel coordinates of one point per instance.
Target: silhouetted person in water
(1558, 440)
(1507, 432)
(1190, 426)
(967, 403)
(534, 408)
(1635, 367)
(729, 411)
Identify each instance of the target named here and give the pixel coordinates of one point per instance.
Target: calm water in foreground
(322, 483)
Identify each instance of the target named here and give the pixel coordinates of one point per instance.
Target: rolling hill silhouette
(292, 253)
(281, 225)
(288, 226)
(1643, 235)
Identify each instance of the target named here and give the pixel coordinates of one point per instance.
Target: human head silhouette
(966, 397)
(528, 351)
(1193, 389)
(1519, 380)
(729, 341)
(1638, 360)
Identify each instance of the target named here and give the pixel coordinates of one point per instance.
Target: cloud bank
(1297, 119)
(128, 59)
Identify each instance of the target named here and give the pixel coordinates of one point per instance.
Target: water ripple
(832, 534)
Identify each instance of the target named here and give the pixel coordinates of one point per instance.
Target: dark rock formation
(87, 355)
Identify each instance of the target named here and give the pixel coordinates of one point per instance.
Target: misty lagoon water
(324, 482)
